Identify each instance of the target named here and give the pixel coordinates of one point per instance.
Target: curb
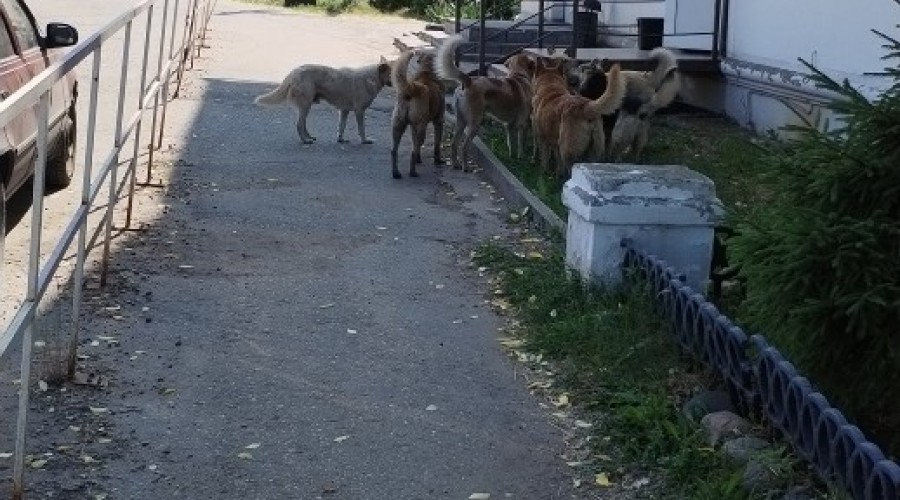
(512, 189)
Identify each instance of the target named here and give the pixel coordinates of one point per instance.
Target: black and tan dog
(507, 99)
(646, 93)
(420, 101)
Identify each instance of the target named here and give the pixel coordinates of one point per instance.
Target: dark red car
(25, 51)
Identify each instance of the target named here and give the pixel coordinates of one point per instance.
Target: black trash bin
(586, 27)
(650, 32)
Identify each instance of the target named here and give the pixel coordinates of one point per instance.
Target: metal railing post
(482, 67)
(165, 92)
(126, 49)
(540, 24)
(85, 202)
(575, 29)
(159, 65)
(186, 44)
(34, 268)
(132, 165)
(717, 19)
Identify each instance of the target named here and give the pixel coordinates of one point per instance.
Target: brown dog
(420, 101)
(569, 127)
(507, 99)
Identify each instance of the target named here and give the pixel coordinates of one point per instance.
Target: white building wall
(764, 85)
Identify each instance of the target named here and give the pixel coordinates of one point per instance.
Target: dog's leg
(457, 139)
(343, 125)
(512, 140)
(418, 137)
(397, 128)
(640, 142)
(438, 138)
(598, 143)
(521, 130)
(361, 126)
(305, 136)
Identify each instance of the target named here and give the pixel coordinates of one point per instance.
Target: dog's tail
(276, 96)
(612, 97)
(665, 79)
(447, 68)
(399, 79)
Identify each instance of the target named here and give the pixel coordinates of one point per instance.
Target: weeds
(616, 361)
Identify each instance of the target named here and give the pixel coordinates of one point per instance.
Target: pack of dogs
(591, 112)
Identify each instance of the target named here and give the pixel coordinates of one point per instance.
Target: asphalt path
(293, 323)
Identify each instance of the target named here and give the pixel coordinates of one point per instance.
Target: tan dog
(420, 101)
(507, 99)
(646, 93)
(569, 127)
(347, 89)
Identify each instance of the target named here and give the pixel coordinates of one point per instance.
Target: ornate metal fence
(762, 382)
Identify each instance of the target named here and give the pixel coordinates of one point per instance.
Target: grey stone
(759, 478)
(706, 402)
(722, 425)
(742, 449)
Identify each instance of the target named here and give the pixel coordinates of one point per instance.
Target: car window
(21, 25)
(6, 46)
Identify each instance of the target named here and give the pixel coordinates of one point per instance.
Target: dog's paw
(341, 140)
(368, 141)
(397, 175)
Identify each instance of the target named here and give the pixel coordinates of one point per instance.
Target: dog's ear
(383, 60)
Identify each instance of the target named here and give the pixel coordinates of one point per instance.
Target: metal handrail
(36, 95)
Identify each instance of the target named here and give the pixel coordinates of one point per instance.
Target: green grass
(617, 363)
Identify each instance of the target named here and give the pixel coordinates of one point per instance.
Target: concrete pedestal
(669, 211)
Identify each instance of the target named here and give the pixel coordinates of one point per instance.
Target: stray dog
(569, 126)
(347, 89)
(507, 99)
(647, 93)
(420, 101)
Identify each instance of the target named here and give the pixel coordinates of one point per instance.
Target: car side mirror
(60, 35)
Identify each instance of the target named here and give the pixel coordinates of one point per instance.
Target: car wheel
(61, 158)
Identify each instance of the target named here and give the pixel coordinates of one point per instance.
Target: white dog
(347, 89)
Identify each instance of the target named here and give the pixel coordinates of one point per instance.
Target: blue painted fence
(762, 382)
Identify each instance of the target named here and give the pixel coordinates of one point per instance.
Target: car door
(13, 75)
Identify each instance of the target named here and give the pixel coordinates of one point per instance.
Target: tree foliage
(822, 258)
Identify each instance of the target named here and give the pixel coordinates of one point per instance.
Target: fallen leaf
(560, 414)
(581, 424)
(37, 464)
(341, 439)
(98, 410)
(574, 464)
(245, 456)
(6, 455)
(74, 428)
(602, 479)
(479, 496)
(562, 401)
(326, 306)
(351, 331)
(431, 408)
(100, 496)
(535, 255)
(457, 321)
(168, 391)
(42, 386)
(439, 286)
(88, 459)
(152, 467)
(553, 313)
(104, 440)
(253, 446)
(576, 483)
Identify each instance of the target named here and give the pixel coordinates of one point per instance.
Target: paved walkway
(296, 324)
